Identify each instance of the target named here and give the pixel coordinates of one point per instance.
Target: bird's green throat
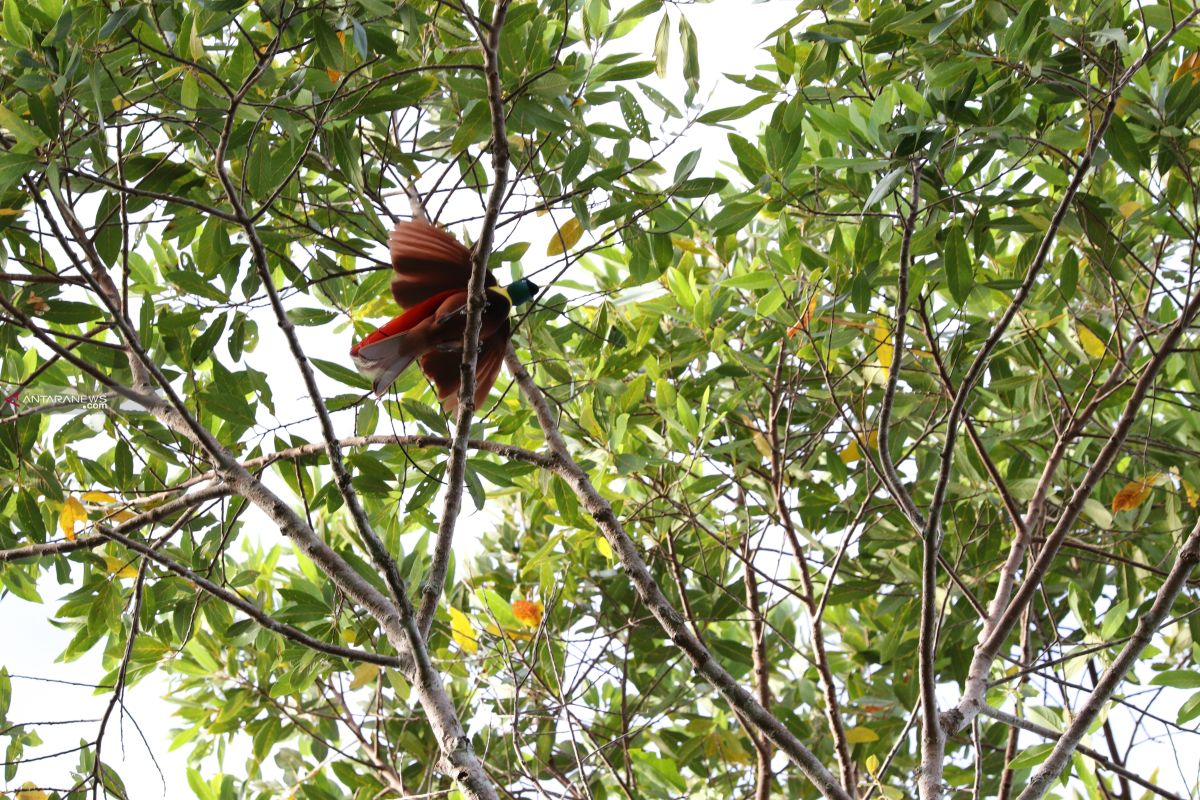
(522, 291)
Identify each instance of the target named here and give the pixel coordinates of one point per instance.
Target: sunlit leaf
(566, 238)
(365, 674)
(463, 631)
(1089, 341)
(72, 512)
(861, 735)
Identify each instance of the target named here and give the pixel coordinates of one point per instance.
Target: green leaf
(14, 166)
(70, 312)
(28, 137)
(342, 374)
(960, 277)
(733, 112)
(310, 316)
(15, 29)
(1124, 148)
(1177, 679)
(1031, 756)
(735, 215)
(691, 54)
(1189, 710)
(885, 185)
(662, 45)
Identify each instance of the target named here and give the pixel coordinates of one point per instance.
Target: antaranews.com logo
(22, 400)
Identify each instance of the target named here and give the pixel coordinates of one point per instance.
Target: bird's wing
(491, 356)
(444, 368)
(427, 261)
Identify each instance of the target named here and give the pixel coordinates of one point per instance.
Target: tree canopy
(857, 459)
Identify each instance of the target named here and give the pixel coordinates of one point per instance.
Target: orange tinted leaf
(1189, 65)
(805, 318)
(1133, 494)
(528, 613)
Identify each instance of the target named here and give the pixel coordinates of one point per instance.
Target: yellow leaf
(1089, 341)
(725, 746)
(98, 497)
(1134, 493)
(119, 103)
(463, 631)
(861, 735)
(506, 633)
(566, 238)
(124, 515)
(528, 612)
(760, 443)
(29, 791)
(364, 674)
(1193, 496)
(687, 245)
(1130, 208)
(872, 764)
(850, 453)
(72, 512)
(883, 344)
(604, 547)
(119, 567)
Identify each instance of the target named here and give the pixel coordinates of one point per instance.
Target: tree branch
(1048, 772)
(1026, 725)
(652, 597)
(435, 580)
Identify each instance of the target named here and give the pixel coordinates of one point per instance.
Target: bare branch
(435, 580)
